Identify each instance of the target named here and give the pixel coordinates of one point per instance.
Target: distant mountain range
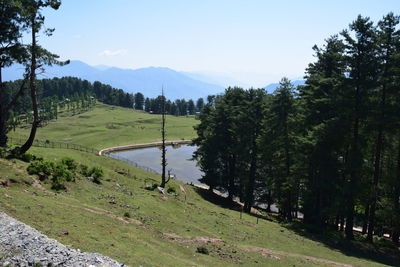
(221, 79)
(148, 81)
(270, 88)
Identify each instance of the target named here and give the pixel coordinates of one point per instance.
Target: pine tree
(279, 135)
(325, 124)
(11, 50)
(388, 38)
(361, 61)
(38, 57)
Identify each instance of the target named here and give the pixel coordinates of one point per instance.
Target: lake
(178, 161)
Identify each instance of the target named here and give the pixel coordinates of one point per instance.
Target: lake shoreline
(141, 146)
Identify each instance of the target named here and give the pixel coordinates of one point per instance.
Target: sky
(253, 41)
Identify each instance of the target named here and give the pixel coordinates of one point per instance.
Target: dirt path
(269, 253)
(104, 212)
(192, 240)
(278, 254)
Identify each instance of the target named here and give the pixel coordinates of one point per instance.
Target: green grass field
(106, 126)
(135, 226)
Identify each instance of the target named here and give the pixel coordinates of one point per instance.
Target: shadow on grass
(382, 251)
(225, 203)
(218, 200)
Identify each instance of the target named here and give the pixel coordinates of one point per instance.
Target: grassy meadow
(123, 220)
(106, 126)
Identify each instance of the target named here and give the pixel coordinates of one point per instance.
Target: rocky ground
(21, 245)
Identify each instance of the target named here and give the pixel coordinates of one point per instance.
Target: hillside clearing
(106, 126)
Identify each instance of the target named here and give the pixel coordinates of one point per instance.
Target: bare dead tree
(164, 181)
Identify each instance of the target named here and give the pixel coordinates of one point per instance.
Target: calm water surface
(178, 160)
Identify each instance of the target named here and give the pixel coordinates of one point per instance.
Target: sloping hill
(122, 219)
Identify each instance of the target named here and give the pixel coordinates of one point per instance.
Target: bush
(171, 189)
(70, 163)
(127, 215)
(202, 250)
(84, 170)
(151, 187)
(27, 157)
(2, 153)
(43, 169)
(57, 183)
(63, 173)
(16, 154)
(60, 175)
(97, 173)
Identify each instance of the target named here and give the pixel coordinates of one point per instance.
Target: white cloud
(112, 53)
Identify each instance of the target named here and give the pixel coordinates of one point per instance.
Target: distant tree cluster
(76, 89)
(67, 92)
(179, 107)
(329, 149)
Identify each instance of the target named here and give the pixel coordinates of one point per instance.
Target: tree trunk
(232, 168)
(33, 90)
(396, 197)
(3, 113)
(287, 165)
(337, 222)
(163, 149)
(341, 229)
(354, 169)
(366, 217)
(252, 178)
(395, 237)
(379, 150)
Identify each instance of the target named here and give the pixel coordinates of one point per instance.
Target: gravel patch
(21, 245)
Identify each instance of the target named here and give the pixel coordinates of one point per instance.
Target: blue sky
(254, 41)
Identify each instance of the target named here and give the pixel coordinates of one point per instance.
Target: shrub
(2, 153)
(97, 173)
(84, 170)
(171, 189)
(63, 173)
(27, 157)
(15, 152)
(70, 163)
(127, 215)
(43, 169)
(60, 175)
(151, 187)
(57, 183)
(202, 250)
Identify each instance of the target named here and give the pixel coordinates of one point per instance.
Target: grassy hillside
(161, 231)
(123, 220)
(106, 126)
